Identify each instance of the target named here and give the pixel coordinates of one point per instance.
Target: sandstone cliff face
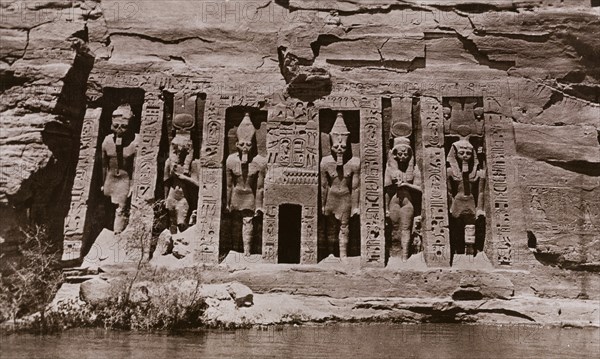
(538, 58)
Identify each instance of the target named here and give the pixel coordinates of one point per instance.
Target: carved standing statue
(118, 155)
(464, 178)
(245, 180)
(180, 173)
(340, 183)
(402, 177)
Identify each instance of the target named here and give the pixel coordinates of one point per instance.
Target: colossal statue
(465, 179)
(245, 180)
(340, 183)
(402, 178)
(180, 174)
(118, 155)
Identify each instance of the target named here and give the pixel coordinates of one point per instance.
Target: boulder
(95, 291)
(241, 294)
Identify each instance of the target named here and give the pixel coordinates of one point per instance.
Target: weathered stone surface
(241, 294)
(95, 291)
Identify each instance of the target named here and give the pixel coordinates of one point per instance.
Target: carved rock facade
(431, 74)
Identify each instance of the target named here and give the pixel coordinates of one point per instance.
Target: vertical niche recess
(231, 223)
(101, 212)
(327, 119)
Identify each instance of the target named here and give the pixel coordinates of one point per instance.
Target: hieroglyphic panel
(145, 170)
(500, 241)
(507, 244)
(270, 232)
(211, 181)
(371, 186)
(292, 175)
(209, 215)
(75, 220)
(435, 225)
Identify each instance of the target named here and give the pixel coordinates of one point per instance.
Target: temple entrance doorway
(290, 225)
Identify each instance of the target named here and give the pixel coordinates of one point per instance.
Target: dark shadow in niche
(327, 119)
(290, 224)
(45, 195)
(101, 211)
(231, 223)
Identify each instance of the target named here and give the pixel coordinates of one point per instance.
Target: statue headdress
(245, 131)
(453, 161)
(123, 111)
(339, 134)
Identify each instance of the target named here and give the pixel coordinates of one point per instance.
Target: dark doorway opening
(290, 224)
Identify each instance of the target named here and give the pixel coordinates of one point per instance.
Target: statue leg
(470, 235)
(344, 236)
(406, 218)
(171, 205)
(247, 231)
(182, 210)
(332, 224)
(120, 219)
(395, 219)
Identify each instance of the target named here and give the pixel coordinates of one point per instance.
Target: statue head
(462, 159)
(402, 152)
(245, 137)
(121, 117)
(339, 138)
(181, 147)
(464, 150)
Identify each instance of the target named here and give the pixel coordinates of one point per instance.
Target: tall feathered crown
(246, 131)
(123, 112)
(339, 131)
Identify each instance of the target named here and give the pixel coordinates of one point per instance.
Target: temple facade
(295, 181)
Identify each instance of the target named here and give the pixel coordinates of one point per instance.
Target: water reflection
(329, 341)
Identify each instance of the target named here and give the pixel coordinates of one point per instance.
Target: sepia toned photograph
(404, 179)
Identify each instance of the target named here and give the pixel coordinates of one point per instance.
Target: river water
(331, 341)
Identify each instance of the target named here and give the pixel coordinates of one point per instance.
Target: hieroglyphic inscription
(308, 246)
(501, 230)
(211, 181)
(435, 225)
(75, 220)
(292, 175)
(209, 215)
(270, 232)
(145, 172)
(371, 188)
